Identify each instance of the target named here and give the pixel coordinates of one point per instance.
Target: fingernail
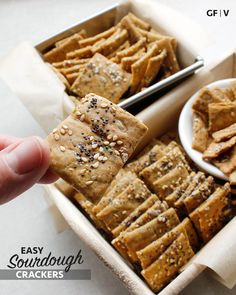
(26, 156)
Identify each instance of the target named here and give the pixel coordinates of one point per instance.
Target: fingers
(48, 177)
(22, 164)
(6, 140)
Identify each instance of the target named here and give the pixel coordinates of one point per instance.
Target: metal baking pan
(95, 24)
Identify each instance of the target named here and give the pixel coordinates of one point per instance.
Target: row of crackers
(118, 62)
(158, 211)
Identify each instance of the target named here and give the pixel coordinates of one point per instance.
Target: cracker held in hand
(93, 144)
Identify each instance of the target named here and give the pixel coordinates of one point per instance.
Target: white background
(27, 220)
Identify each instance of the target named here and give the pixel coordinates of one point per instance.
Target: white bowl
(185, 132)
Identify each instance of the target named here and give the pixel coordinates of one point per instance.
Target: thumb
(21, 165)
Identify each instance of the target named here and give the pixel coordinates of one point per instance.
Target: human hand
(23, 162)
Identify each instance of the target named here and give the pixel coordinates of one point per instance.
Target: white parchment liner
(44, 95)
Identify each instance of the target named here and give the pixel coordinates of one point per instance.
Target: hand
(23, 162)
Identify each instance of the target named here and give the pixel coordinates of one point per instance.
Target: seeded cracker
(102, 77)
(149, 232)
(152, 252)
(147, 159)
(123, 204)
(155, 210)
(82, 150)
(208, 218)
(166, 267)
(179, 191)
(167, 183)
(135, 215)
(119, 184)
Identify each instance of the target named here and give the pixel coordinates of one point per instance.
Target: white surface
(186, 131)
(27, 221)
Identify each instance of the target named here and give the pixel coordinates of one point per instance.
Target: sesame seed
(106, 142)
(91, 138)
(62, 148)
(94, 145)
(119, 142)
(84, 159)
(96, 156)
(103, 105)
(71, 169)
(56, 137)
(82, 171)
(70, 132)
(117, 153)
(115, 137)
(54, 130)
(65, 126)
(82, 117)
(124, 157)
(104, 159)
(89, 182)
(100, 158)
(62, 131)
(109, 137)
(112, 143)
(100, 149)
(78, 113)
(95, 165)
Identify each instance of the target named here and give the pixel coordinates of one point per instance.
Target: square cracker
(226, 162)
(149, 232)
(179, 191)
(93, 143)
(59, 53)
(221, 115)
(167, 183)
(208, 218)
(199, 195)
(102, 77)
(119, 184)
(152, 252)
(166, 267)
(147, 159)
(135, 215)
(123, 204)
(164, 165)
(155, 210)
(206, 96)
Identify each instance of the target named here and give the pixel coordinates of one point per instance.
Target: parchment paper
(44, 95)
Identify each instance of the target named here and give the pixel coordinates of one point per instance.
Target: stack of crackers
(158, 211)
(214, 128)
(116, 63)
